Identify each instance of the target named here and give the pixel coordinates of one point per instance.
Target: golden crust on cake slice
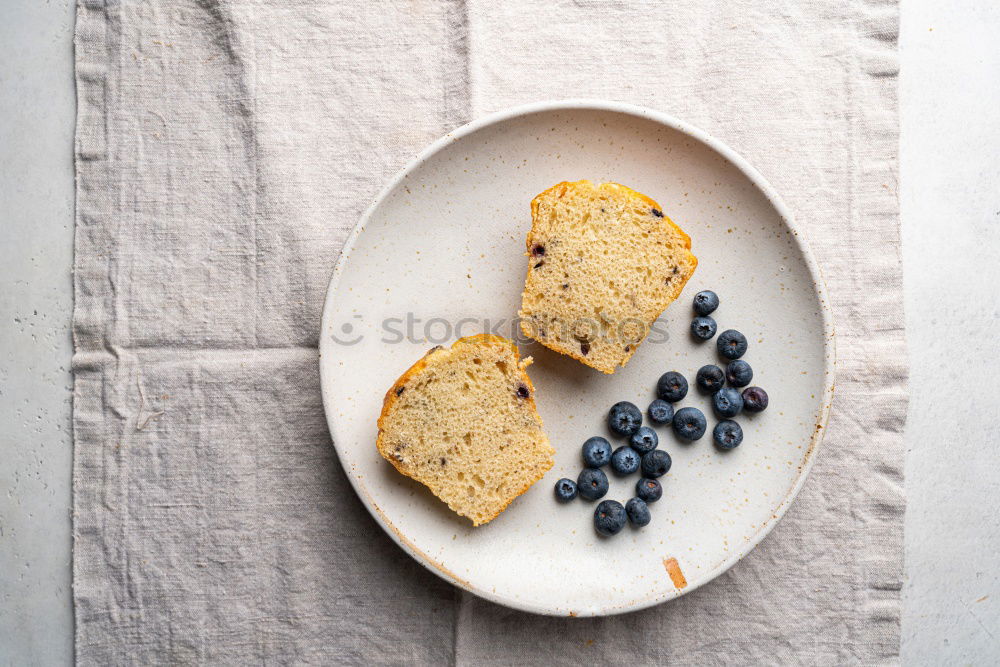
(463, 422)
(604, 261)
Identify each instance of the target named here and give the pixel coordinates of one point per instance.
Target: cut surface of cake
(604, 261)
(463, 422)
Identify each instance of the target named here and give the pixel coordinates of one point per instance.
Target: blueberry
(738, 373)
(703, 327)
(732, 344)
(727, 434)
(609, 517)
(710, 378)
(660, 412)
(596, 452)
(655, 464)
(624, 418)
(672, 386)
(689, 423)
(565, 490)
(727, 402)
(706, 302)
(644, 440)
(754, 399)
(649, 490)
(592, 483)
(625, 460)
(638, 512)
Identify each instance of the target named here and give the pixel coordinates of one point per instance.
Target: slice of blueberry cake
(603, 262)
(463, 422)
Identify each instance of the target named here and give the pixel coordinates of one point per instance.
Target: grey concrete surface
(37, 108)
(950, 196)
(950, 85)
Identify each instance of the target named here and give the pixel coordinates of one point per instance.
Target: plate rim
(762, 185)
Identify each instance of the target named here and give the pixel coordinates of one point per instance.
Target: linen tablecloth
(225, 149)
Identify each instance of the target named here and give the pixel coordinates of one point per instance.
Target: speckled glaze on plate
(440, 253)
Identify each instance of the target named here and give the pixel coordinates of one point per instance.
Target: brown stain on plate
(674, 570)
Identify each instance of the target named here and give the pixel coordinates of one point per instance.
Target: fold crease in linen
(224, 151)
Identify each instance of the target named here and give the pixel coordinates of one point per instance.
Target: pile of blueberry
(640, 454)
(727, 402)
(688, 423)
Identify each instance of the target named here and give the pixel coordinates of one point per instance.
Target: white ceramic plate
(443, 246)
